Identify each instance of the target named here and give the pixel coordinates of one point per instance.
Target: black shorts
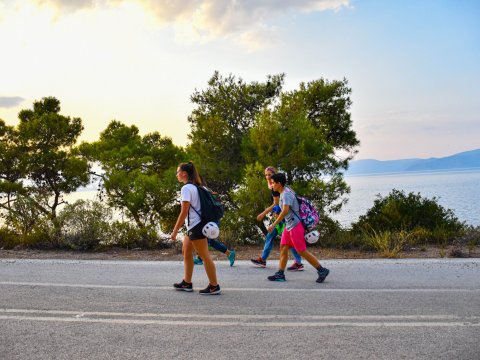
(195, 233)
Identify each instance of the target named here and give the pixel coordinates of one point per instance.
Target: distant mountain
(464, 160)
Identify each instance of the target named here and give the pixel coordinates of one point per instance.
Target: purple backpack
(308, 215)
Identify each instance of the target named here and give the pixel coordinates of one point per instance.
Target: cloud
(10, 101)
(258, 38)
(66, 5)
(204, 20)
(219, 18)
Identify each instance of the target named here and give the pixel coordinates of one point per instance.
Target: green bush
(24, 216)
(341, 239)
(128, 235)
(399, 212)
(86, 225)
(8, 238)
(41, 237)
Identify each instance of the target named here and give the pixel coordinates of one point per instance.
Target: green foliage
(304, 133)
(252, 196)
(400, 219)
(24, 215)
(406, 212)
(470, 237)
(341, 239)
(223, 116)
(388, 244)
(8, 238)
(42, 236)
(86, 225)
(38, 164)
(12, 167)
(129, 236)
(299, 136)
(138, 172)
(237, 126)
(47, 139)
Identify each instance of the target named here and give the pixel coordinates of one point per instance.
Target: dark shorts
(195, 233)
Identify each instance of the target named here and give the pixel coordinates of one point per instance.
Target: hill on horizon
(464, 160)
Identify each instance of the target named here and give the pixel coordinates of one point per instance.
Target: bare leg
(283, 256)
(307, 255)
(201, 247)
(187, 252)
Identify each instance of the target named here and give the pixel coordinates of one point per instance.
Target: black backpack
(211, 207)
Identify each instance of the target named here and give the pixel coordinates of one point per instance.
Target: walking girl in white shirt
(194, 239)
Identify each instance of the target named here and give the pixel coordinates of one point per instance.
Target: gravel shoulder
(243, 253)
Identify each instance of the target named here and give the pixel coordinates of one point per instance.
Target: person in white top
(190, 214)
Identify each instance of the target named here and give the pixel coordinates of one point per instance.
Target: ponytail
(191, 170)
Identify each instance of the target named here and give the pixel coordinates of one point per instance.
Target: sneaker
(231, 257)
(211, 290)
(296, 267)
(183, 286)
(278, 276)
(322, 274)
(259, 262)
(198, 261)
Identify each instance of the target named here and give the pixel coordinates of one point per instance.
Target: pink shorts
(295, 238)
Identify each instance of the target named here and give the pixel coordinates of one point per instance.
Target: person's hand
(260, 217)
(270, 228)
(173, 236)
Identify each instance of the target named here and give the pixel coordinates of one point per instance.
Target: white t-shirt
(189, 193)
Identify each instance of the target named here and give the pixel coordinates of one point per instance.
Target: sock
(280, 271)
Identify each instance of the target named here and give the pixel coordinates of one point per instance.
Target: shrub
(470, 237)
(388, 244)
(8, 238)
(86, 225)
(128, 235)
(24, 217)
(341, 239)
(39, 236)
(411, 213)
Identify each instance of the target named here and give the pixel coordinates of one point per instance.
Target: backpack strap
(298, 202)
(188, 214)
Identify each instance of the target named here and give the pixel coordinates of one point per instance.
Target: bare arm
(185, 206)
(276, 201)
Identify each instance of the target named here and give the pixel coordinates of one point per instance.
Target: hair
(279, 178)
(271, 169)
(191, 170)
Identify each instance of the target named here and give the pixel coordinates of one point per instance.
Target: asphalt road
(366, 309)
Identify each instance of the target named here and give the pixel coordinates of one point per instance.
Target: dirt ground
(243, 253)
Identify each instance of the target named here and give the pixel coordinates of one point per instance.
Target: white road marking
(239, 319)
(81, 313)
(242, 324)
(153, 287)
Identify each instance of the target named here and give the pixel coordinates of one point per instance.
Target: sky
(413, 65)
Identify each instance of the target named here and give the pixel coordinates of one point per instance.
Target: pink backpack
(308, 215)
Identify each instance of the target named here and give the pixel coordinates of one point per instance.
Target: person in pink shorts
(293, 235)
